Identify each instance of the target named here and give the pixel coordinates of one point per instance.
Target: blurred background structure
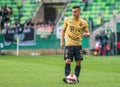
(37, 24)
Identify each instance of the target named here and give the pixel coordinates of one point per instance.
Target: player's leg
(77, 68)
(68, 57)
(78, 58)
(67, 67)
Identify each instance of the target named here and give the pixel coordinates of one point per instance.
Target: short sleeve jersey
(74, 31)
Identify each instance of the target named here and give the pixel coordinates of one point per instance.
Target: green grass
(48, 71)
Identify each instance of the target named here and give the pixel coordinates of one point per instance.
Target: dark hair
(76, 7)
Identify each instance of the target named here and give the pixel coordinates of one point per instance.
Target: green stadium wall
(118, 27)
(49, 43)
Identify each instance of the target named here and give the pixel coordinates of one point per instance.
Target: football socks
(77, 70)
(67, 69)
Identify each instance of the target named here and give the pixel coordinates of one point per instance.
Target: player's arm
(63, 34)
(62, 38)
(86, 32)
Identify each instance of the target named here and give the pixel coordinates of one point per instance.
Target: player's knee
(78, 63)
(68, 61)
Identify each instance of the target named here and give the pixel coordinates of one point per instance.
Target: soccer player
(73, 30)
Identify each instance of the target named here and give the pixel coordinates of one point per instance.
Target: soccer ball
(71, 79)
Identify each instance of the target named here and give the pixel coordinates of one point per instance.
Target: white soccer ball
(71, 79)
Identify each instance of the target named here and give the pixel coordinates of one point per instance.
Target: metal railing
(108, 25)
(59, 18)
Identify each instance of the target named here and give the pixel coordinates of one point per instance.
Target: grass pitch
(48, 71)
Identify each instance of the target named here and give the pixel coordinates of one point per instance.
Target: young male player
(73, 30)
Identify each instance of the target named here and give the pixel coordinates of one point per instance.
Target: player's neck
(76, 18)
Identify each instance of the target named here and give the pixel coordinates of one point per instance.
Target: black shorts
(73, 52)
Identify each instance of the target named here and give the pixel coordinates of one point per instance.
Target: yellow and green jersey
(74, 31)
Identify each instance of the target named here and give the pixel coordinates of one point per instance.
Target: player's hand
(86, 34)
(62, 45)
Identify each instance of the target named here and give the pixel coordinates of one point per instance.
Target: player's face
(76, 12)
